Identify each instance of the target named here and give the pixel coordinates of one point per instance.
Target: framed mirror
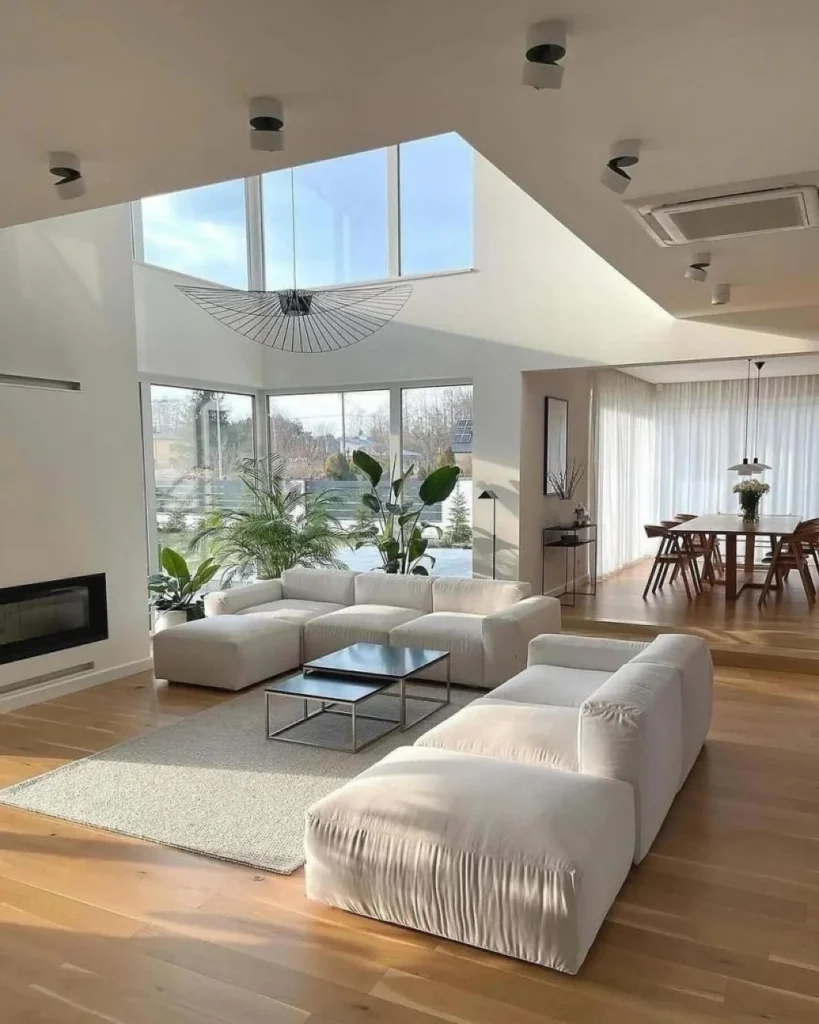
(555, 441)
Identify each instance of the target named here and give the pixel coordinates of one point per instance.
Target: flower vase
(750, 511)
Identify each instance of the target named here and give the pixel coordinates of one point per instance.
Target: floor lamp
(491, 496)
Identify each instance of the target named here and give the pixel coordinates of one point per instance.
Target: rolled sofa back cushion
(478, 597)
(395, 591)
(228, 602)
(333, 585)
(631, 729)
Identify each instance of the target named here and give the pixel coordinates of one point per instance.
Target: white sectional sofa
(485, 624)
(510, 825)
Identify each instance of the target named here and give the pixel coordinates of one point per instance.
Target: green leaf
(417, 546)
(406, 518)
(394, 509)
(439, 485)
(174, 564)
(372, 502)
(368, 466)
(389, 547)
(397, 486)
(418, 570)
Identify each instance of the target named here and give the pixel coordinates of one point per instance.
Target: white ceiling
(153, 96)
(725, 369)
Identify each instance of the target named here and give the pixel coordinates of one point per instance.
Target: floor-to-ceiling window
(199, 439)
(436, 430)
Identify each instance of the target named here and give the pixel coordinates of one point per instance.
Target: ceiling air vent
(733, 216)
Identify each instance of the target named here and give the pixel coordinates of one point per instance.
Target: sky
(341, 220)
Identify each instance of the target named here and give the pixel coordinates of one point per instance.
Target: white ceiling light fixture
(545, 46)
(66, 168)
(748, 467)
(721, 295)
(624, 154)
(266, 125)
(698, 268)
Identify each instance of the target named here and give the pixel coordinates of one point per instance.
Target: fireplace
(39, 618)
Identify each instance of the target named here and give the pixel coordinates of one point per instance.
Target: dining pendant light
(748, 467)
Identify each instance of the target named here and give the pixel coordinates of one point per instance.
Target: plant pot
(164, 620)
(565, 512)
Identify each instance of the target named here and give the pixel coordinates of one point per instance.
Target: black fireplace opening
(40, 618)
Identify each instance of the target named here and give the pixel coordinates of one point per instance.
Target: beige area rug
(213, 784)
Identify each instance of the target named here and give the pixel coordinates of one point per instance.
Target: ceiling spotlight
(622, 155)
(698, 268)
(266, 124)
(721, 294)
(545, 46)
(66, 169)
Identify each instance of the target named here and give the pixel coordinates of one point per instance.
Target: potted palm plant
(174, 592)
(284, 527)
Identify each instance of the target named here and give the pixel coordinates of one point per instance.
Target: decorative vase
(164, 620)
(750, 511)
(565, 512)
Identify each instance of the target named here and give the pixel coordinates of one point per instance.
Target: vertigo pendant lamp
(306, 321)
(748, 467)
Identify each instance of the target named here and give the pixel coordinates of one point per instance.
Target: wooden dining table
(732, 527)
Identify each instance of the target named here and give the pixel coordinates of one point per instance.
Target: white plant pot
(164, 620)
(564, 512)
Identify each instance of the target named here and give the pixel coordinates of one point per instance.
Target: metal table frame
(549, 541)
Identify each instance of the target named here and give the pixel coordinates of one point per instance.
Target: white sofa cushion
(630, 729)
(512, 732)
(228, 602)
(333, 585)
(360, 623)
(226, 651)
(479, 597)
(513, 858)
(691, 656)
(550, 684)
(395, 590)
(599, 653)
(507, 633)
(292, 610)
(455, 632)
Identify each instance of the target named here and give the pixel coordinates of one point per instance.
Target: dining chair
(792, 552)
(671, 555)
(688, 546)
(709, 540)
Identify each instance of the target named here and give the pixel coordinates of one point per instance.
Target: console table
(571, 538)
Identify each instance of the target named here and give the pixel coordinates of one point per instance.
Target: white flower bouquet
(750, 494)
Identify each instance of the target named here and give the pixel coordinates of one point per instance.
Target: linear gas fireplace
(39, 618)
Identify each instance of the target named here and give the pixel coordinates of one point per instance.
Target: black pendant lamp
(748, 467)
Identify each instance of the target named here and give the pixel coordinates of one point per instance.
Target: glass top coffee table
(344, 680)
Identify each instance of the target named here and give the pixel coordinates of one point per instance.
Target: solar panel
(462, 436)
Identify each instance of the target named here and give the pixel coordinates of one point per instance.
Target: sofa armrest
(228, 602)
(506, 635)
(597, 653)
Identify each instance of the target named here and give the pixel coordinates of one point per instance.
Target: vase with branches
(563, 485)
(284, 527)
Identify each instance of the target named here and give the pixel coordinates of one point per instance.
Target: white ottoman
(226, 651)
(514, 858)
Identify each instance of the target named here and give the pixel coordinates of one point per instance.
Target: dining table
(732, 527)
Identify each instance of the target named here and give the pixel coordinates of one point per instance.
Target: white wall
(71, 500)
(539, 299)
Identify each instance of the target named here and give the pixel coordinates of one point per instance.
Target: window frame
(254, 234)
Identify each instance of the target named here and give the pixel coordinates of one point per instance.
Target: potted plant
(394, 526)
(282, 527)
(174, 591)
(563, 485)
(750, 494)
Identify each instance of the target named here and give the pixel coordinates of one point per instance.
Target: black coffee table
(342, 681)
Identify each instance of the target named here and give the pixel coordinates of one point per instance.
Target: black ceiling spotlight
(622, 155)
(545, 46)
(266, 124)
(698, 268)
(66, 168)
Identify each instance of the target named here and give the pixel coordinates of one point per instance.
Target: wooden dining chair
(687, 544)
(709, 542)
(673, 556)
(812, 546)
(792, 552)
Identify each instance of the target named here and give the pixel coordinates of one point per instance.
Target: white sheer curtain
(700, 432)
(662, 450)
(624, 446)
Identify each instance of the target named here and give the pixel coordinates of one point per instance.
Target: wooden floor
(784, 634)
(719, 923)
